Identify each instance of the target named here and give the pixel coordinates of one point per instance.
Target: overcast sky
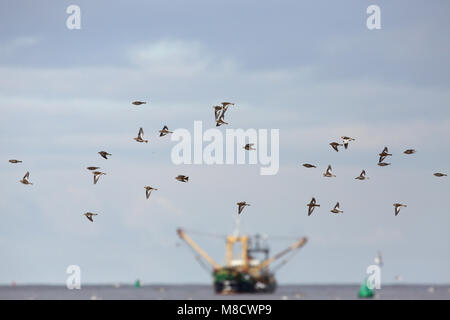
(311, 69)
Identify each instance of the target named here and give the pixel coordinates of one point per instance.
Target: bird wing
(217, 110)
(336, 206)
(27, 175)
(96, 176)
(141, 133)
(329, 170)
(222, 115)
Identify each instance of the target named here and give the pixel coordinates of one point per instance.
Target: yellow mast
(200, 251)
(231, 240)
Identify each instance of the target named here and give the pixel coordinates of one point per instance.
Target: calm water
(205, 292)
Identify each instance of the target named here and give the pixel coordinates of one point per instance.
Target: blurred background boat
(248, 270)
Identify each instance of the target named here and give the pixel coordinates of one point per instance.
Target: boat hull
(228, 281)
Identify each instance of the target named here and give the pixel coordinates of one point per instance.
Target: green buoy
(365, 291)
(137, 284)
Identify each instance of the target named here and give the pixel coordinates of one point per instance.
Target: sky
(311, 69)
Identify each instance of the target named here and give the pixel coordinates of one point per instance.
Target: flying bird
(138, 103)
(362, 176)
(328, 173)
(219, 112)
(97, 175)
(409, 151)
(384, 154)
(140, 137)
(93, 168)
(182, 178)
(397, 207)
(439, 175)
(164, 131)
(249, 146)
(90, 216)
(346, 140)
(104, 154)
(25, 178)
(307, 165)
(241, 206)
(336, 209)
(311, 206)
(15, 161)
(335, 146)
(148, 191)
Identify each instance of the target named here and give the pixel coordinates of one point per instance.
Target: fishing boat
(248, 271)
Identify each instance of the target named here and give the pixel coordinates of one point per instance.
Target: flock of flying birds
(219, 113)
(328, 174)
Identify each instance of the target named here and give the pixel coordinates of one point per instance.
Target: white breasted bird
(241, 206)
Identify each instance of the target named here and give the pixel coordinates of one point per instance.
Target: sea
(205, 292)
